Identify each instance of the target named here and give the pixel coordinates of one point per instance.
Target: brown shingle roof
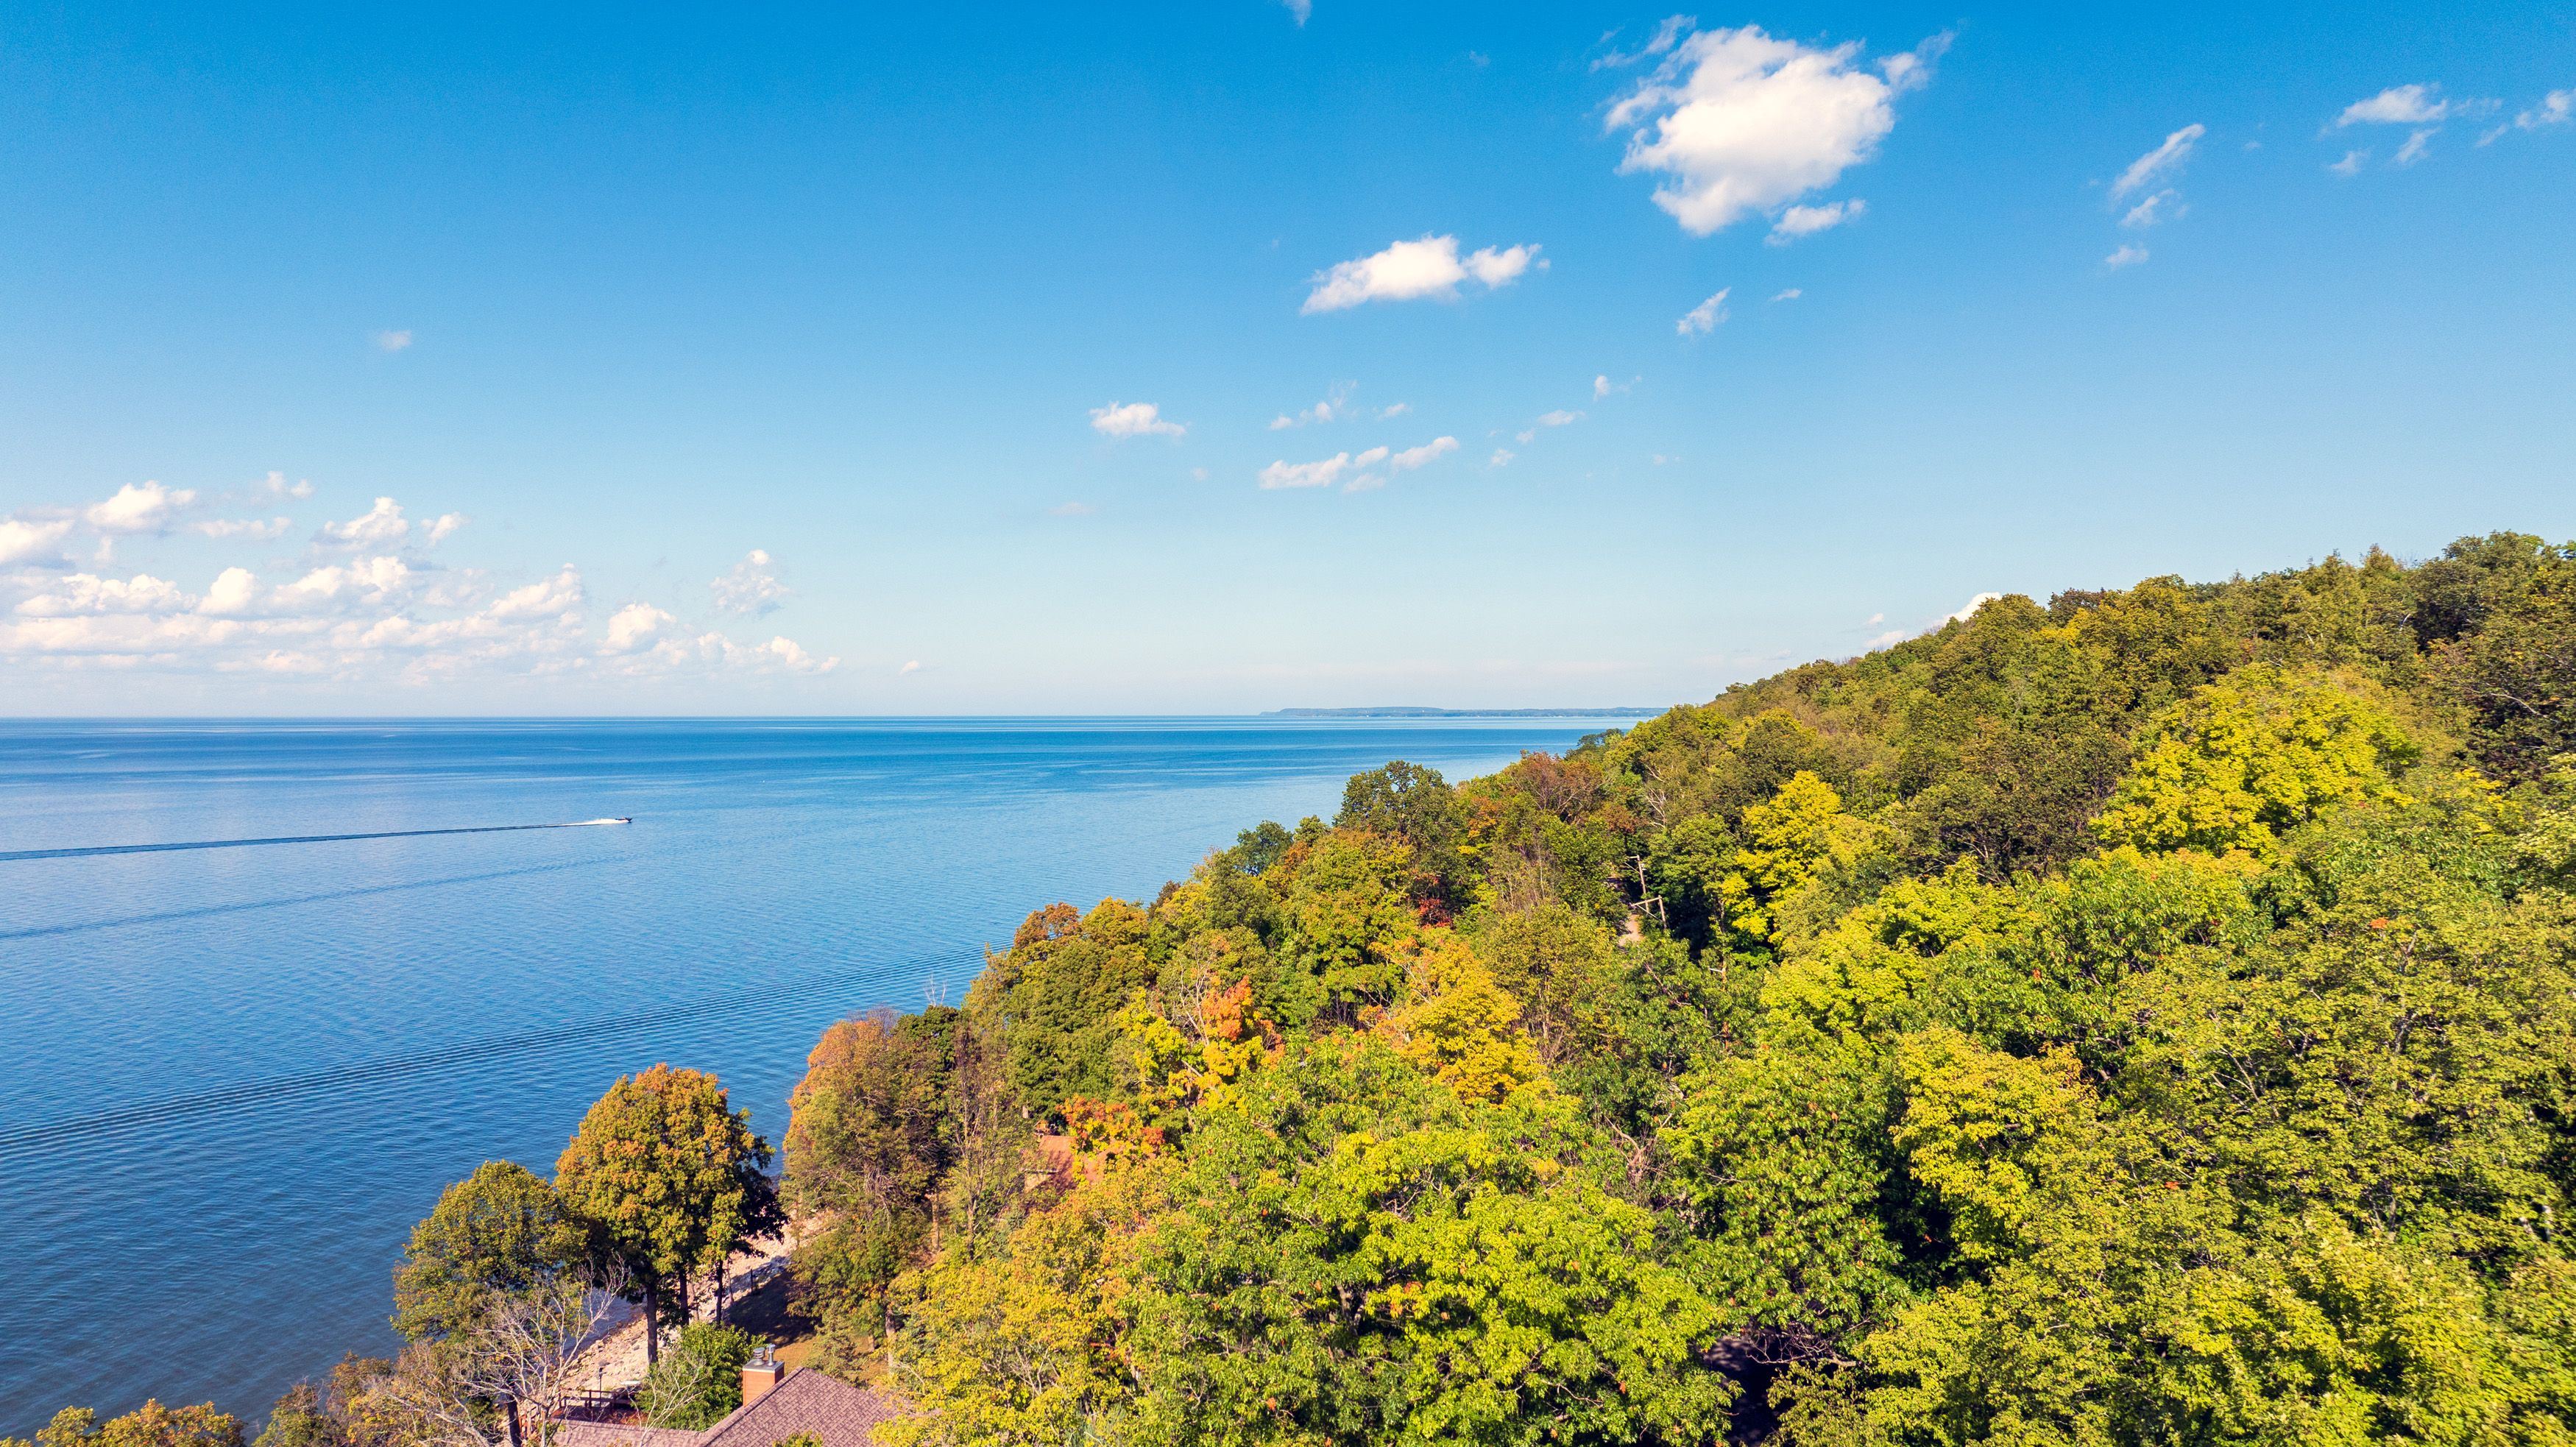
(808, 1401)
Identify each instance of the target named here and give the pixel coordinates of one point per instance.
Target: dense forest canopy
(2146, 1017)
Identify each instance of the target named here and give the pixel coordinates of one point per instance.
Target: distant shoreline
(1461, 712)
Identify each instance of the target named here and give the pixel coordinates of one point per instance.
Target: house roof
(808, 1401)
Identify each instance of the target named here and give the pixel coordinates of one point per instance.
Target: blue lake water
(231, 1079)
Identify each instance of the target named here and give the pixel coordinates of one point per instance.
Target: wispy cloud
(1409, 270)
(1800, 221)
(1072, 510)
(1333, 407)
(1300, 11)
(1705, 317)
(2165, 205)
(2163, 163)
(1737, 122)
(1785, 294)
(2129, 254)
(1322, 473)
(1134, 419)
(391, 341)
(2421, 106)
(2399, 105)
(1422, 456)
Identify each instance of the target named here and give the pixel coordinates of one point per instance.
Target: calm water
(230, 1079)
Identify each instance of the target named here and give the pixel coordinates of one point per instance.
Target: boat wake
(7, 856)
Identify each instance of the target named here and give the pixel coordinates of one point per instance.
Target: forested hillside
(2143, 1017)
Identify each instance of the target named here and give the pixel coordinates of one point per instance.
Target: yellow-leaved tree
(2250, 757)
(1459, 1025)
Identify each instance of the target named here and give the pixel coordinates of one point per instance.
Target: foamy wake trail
(84, 853)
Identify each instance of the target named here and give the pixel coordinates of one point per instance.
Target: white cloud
(377, 526)
(1407, 270)
(2165, 160)
(1331, 409)
(752, 587)
(559, 597)
(1787, 294)
(1300, 10)
(276, 485)
(368, 616)
(392, 341)
(249, 529)
(2129, 254)
(1423, 456)
(144, 508)
(445, 527)
(367, 581)
(235, 592)
(1072, 510)
(1559, 418)
(2350, 163)
(32, 542)
(1393, 409)
(1323, 473)
(1738, 122)
(2399, 105)
(788, 654)
(1133, 419)
(908, 669)
(84, 593)
(1705, 317)
(1970, 610)
(1502, 457)
(1800, 221)
(1600, 386)
(2415, 149)
(637, 625)
(2165, 205)
(2555, 109)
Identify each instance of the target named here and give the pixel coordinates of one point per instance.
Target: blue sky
(798, 361)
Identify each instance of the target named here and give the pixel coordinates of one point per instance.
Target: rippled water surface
(231, 1078)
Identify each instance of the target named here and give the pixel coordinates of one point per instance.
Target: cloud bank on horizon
(363, 603)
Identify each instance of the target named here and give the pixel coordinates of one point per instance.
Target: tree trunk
(510, 1413)
(652, 1324)
(720, 1286)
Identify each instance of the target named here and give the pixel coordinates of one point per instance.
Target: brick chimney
(761, 1373)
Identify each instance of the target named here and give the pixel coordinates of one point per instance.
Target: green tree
(1357, 1255)
(498, 1232)
(669, 1179)
(699, 1380)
